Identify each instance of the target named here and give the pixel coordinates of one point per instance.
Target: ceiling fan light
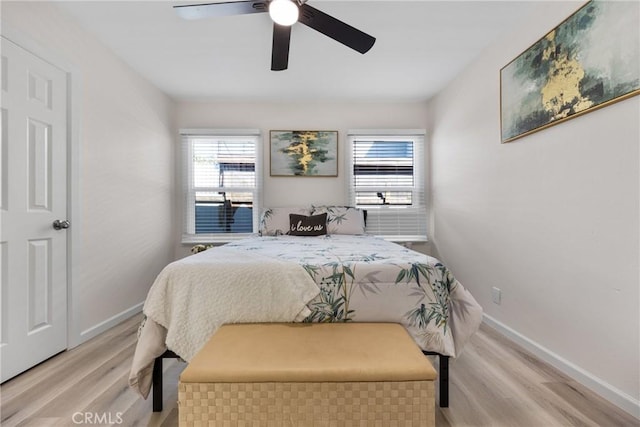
(283, 12)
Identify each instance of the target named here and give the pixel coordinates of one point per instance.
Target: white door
(33, 194)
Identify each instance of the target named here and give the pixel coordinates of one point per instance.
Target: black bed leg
(443, 376)
(157, 384)
(444, 381)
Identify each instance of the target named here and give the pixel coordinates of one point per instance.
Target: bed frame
(443, 378)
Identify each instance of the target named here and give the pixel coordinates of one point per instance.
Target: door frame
(74, 242)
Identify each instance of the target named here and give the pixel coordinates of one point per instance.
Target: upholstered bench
(308, 374)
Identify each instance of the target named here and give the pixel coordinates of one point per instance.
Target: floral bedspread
(368, 279)
(361, 279)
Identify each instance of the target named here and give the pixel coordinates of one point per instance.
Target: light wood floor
(493, 383)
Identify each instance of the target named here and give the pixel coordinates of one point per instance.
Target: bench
(308, 374)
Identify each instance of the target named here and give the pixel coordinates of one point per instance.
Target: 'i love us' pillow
(302, 225)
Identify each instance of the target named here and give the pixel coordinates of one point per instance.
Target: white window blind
(221, 184)
(387, 178)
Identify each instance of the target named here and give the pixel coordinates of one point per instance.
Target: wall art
(590, 60)
(304, 153)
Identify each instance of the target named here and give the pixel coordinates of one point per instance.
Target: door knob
(59, 225)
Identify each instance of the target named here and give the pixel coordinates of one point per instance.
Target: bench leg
(157, 384)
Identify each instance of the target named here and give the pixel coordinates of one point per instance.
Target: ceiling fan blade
(336, 29)
(280, 48)
(207, 10)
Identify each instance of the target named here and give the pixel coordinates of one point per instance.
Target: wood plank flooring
(493, 383)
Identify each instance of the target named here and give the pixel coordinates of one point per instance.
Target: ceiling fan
(284, 13)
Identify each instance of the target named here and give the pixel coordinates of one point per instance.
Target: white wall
(285, 191)
(126, 171)
(552, 219)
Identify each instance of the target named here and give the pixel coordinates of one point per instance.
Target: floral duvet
(360, 278)
(364, 278)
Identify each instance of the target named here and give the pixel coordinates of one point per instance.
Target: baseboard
(110, 322)
(605, 390)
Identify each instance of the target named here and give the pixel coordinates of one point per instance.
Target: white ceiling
(420, 47)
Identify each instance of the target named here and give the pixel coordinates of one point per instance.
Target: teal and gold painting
(590, 60)
(304, 153)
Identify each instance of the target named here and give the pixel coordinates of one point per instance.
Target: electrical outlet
(496, 294)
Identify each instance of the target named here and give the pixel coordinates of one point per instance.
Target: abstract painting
(304, 153)
(590, 60)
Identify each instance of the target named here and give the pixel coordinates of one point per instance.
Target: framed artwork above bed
(304, 153)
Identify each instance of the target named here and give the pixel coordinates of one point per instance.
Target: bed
(292, 278)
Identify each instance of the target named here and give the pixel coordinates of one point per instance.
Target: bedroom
(551, 219)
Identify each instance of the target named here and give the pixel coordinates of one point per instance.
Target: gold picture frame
(589, 61)
(308, 153)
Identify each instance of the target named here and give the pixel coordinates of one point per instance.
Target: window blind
(221, 184)
(387, 178)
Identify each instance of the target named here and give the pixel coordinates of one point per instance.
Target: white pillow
(275, 221)
(342, 219)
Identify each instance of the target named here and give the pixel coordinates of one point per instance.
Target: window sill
(190, 239)
(406, 239)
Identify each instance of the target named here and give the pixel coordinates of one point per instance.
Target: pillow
(302, 225)
(275, 221)
(342, 219)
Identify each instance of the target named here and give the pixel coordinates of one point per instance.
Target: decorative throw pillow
(275, 221)
(342, 219)
(302, 225)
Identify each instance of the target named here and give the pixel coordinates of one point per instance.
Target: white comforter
(192, 297)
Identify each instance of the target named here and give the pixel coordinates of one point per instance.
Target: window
(388, 180)
(221, 184)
